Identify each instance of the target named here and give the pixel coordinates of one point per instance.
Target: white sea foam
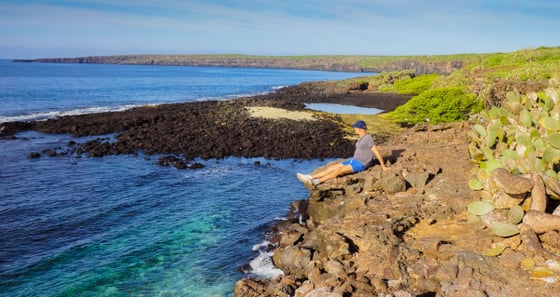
(229, 97)
(42, 116)
(262, 265)
(261, 245)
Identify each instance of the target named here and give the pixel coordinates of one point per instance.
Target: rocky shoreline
(397, 233)
(405, 232)
(214, 129)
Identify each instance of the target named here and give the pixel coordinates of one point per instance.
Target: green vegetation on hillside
(497, 64)
(482, 80)
(486, 78)
(417, 85)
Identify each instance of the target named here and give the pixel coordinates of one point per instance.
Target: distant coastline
(366, 64)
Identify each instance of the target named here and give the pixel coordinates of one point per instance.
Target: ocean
(123, 225)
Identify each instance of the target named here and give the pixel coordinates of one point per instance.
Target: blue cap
(359, 124)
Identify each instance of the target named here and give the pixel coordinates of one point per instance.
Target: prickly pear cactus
(523, 138)
(523, 135)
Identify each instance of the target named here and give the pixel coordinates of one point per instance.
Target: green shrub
(437, 106)
(415, 85)
(385, 81)
(494, 60)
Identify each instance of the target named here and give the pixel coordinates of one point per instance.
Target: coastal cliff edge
(404, 232)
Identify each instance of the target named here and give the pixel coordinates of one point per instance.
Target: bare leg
(332, 172)
(328, 169)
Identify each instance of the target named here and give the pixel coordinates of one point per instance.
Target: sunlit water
(342, 108)
(123, 225)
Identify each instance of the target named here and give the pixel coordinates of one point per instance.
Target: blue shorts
(356, 165)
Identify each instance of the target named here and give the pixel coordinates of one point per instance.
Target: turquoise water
(122, 225)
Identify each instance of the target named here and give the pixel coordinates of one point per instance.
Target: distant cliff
(323, 63)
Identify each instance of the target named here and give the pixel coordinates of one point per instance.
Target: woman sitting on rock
(363, 155)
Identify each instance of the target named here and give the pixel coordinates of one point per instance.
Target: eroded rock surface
(414, 240)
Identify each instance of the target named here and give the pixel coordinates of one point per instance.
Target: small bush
(416, 85)
(385, 80)
(360, 85)
(437, 106)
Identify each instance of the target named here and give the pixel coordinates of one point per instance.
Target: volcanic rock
(510, 183)
(414, 242)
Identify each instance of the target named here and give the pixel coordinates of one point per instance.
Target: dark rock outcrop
(500, 88)
(179, 163)
(203, 129)
(7, 130)
(218, 129)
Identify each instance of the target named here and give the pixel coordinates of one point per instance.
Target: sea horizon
(15, 110)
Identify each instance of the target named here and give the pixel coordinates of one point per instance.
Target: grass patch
(378, 125)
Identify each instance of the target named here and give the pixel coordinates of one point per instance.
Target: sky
(76, 28)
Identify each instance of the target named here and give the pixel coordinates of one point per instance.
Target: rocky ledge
(405, 232)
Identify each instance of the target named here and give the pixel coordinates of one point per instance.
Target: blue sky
(70, 28)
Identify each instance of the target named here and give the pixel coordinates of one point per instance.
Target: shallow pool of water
(341, 108)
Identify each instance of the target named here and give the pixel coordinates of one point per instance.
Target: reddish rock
(412, 243)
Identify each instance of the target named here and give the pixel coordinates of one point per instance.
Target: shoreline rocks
(361, 240)
(217, 129)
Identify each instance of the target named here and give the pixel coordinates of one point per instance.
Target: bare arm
(379, 157)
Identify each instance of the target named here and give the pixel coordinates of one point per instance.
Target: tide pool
(341, 108)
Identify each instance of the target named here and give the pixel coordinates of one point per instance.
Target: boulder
(392, 185)
(538, 193)
(34, 155)
(417, 179)
(292, 260)
(504, 201)
(255, 287)
(511, 184)
(290, 237)
(541, 222)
